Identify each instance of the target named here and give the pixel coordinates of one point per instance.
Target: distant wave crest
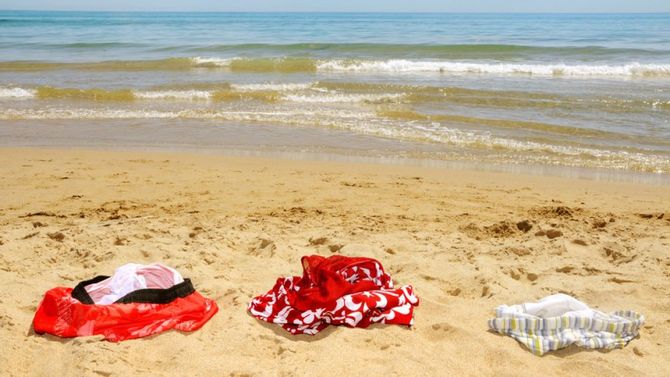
(354, 66)
(395, 66)
(409, 66)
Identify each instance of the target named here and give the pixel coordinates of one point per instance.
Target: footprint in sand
(120, 241)
(321, 241)
(454, 292)
(439, 331)
(335, 248)
(262, 247)
(565, 270)
(553, 233)
(197, 230)
(318, 241)
(515, 274)
(618, 254)
(56, 236)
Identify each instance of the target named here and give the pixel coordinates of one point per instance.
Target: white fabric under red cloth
(137, 301)
(338, 290)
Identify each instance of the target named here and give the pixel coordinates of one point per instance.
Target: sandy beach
(467, 241)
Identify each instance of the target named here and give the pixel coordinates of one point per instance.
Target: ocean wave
(173, 94)
(325, 92)
(217, 62)
(344, 98)
(115, 95)
(280, 87)
(476, 51)
(297, 117)
(170, 64)
(394, 66)
(409, 66)
(260, 65)
(381, 67)
(16, 93)
(268, 92)
(372, 124)
(433, 51)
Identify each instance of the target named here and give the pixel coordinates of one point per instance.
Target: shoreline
(235, 224)
(357, 156)
(482, 160)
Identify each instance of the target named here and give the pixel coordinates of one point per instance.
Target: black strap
(79, 291)
(149, 295)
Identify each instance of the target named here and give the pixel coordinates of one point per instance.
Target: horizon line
(325, 11)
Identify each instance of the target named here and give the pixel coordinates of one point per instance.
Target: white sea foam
(280, 87)
(317, 96)
(368, 123)
(310, 117)
(220, 62)
(560, 154)
(342, 98)
(410, 66)
(174, 94)
(39, 114)
(17, 93)
(632, 69)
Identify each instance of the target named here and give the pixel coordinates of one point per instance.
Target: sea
(546, 92)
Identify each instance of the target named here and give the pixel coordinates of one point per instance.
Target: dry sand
(234, 225)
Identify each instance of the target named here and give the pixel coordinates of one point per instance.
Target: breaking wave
(388, 66)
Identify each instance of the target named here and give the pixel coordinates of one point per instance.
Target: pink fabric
(131, 277)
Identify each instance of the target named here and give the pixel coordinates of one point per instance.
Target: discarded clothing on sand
(560, 320)
(338, 290)
(136, 301)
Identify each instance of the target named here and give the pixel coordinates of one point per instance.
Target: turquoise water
(569, 90)
(67, 36)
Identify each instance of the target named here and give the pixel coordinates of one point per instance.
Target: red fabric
(338, 290)
(60, 314)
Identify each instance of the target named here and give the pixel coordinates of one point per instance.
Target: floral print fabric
(338, 290)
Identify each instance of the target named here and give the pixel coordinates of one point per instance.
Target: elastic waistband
(149, 295)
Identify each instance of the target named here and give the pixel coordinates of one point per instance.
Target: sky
(599, 6)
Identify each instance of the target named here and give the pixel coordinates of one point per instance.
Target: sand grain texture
(467, 241)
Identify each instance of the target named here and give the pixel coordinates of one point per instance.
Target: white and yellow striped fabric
(560, 320)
